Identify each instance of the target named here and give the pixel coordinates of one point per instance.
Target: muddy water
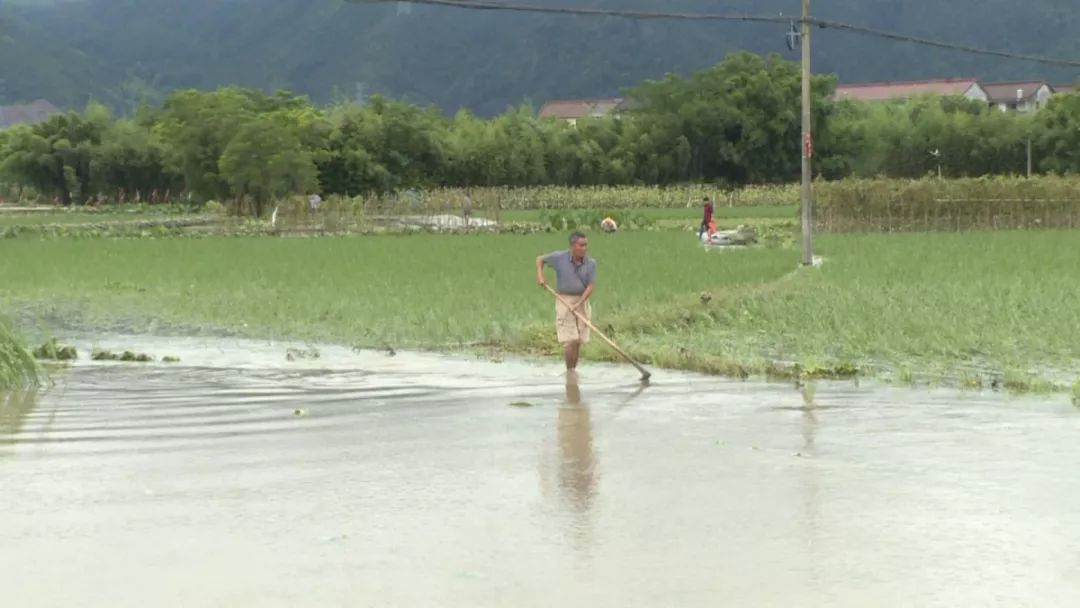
(412, 481)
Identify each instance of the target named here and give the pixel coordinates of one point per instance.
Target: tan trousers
(567, 325)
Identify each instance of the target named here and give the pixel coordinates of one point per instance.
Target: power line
(857, 29)
(489, 5)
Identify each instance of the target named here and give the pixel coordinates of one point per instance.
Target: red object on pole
(808, 142)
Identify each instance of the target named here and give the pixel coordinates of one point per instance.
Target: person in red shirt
(708, 217)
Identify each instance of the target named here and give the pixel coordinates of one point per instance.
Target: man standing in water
(575, 275)
(708, 204)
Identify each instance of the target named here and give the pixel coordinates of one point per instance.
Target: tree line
(733, 124)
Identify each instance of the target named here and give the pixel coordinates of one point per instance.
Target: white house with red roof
(573, 110)
(1012, 96)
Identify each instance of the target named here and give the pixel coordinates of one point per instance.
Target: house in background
(573, 110)
(1019, 96)
(885, 91)
(29, 113)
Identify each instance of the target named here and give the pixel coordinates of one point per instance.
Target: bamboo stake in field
(645, 374)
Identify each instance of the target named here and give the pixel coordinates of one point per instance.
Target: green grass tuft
(18, 368)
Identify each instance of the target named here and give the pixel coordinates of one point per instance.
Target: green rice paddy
(981, 306)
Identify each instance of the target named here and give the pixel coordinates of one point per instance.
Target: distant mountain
(126, 51)
(34, 64)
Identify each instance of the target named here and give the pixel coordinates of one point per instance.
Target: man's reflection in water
(810, 421)
(577, 461)
(14, 407)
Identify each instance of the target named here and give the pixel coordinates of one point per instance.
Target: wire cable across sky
(491, 5)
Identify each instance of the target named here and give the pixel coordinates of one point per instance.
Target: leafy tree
(1059, 135)
(54, 156)
(385, 145)
(196, 127)
(740, 119)
(266, 160)
(735, 123)
(131, 160)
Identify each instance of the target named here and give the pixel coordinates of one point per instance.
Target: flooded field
(239, 478)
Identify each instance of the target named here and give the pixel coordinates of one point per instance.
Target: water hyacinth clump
(54, 351)
(127, 355)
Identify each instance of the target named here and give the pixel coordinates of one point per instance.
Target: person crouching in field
(575, 274)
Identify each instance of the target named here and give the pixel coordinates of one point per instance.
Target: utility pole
(807, 142)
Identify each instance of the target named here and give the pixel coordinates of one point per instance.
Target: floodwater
(412, 481)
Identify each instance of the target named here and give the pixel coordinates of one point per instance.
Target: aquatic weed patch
(125, 356)
(52, 350)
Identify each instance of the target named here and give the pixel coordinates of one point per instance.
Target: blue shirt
(571, 277)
